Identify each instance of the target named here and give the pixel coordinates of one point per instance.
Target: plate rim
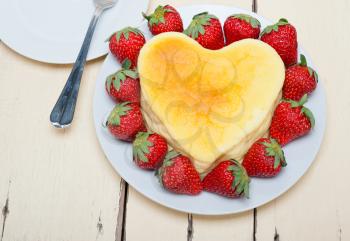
(23, 51)
(320, 88)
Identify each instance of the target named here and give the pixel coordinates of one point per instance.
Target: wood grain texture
(316, 208)
(147, 220)
(227, 228)
(247, 4)
(58, 184)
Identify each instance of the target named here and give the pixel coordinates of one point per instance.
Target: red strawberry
(124, 84)
(164, 19)
(265, 158)
(206, 29)
(125, 121)
(282, 36)
(291, 120)
(241, 26)
(300, 80)
(178, 175)
(228, 178)
(149, 150)
(126, 44)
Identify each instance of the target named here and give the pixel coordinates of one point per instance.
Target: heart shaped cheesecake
(209, 105)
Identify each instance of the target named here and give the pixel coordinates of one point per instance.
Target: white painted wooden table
(57, 185)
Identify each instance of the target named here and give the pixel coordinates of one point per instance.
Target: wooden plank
(317, 207)
(247, 4)
(121, 219)
(229, 227)
(159, 223)
(147, 220)
(56, 183)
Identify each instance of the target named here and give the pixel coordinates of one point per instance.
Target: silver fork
(62, 113)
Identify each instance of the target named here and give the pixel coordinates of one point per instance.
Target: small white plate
(52, 31)
(299, 154)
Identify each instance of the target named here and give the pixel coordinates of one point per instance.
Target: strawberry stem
(197, 24)
(307, 112)
(198, 15)
(158, 16)
(303, 61)
(147, 17)
(274, 149)
(118, 111)
(240, 179)
(294, 103)
(141, 146)
(249, 19)
(274, 27)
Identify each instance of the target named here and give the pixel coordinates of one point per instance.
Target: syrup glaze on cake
(209, 105)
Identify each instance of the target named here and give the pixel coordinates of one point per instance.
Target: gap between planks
(255, 6)
(276, 236)
(255, 212)
(190, 229)
(5, 212)
(120, 234)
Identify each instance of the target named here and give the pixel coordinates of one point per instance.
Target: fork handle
(62, 113)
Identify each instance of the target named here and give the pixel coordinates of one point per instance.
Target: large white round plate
(53, 30)
(299, 154)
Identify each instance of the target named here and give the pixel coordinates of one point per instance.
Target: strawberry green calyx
(118, 111)
(125, 32)
(249, 19)
(158, 15)
(241, 178)
(169, 156)
(306, 111)
(303, 63)
(294, 103)
(274, 27)
(274, 149)
(118, 77)
(168, 161)
(197, 25)
(141, 146)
